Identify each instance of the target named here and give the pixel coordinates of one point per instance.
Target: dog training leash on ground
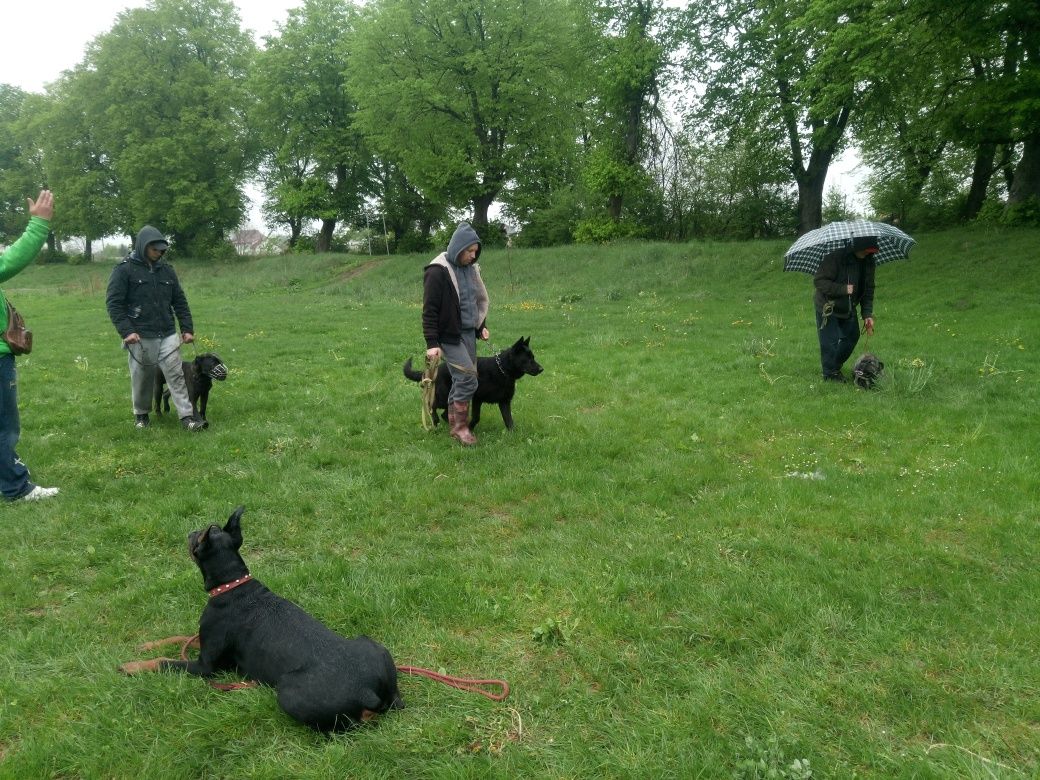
(462, 683)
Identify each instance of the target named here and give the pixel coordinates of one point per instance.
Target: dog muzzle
(218, 372)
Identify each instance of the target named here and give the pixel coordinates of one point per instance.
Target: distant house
(248, 242)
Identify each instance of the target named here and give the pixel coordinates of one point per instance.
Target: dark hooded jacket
(837, 270)
(449, 288)
(144, 298)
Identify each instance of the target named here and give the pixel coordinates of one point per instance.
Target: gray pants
(462, 363)
(145, 357)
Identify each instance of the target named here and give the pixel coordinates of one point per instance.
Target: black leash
(162, 358)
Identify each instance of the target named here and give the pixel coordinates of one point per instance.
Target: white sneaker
(40, 492)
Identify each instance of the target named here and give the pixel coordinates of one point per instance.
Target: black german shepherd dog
(497, 377)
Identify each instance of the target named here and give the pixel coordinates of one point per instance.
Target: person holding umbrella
(841, 257)
(844, 280)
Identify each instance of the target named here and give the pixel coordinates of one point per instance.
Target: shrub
(603, 230)
(49, 255)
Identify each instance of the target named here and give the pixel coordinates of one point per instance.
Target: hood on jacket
(148, 235)
(463, 237)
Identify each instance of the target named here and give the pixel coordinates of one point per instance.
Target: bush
(603, 230)
(553, 225)
(413, 241)
(49, 255)
(1026, 213)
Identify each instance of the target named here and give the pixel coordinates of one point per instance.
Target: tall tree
(316, 163)
(20, 171)
(793, 71)
(74, 162)
(168, 108)
(632, 71)
(458, 91)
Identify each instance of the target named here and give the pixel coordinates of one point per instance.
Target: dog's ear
(519, 343)
(234, 527)
(527, 341)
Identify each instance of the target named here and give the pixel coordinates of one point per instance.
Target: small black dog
(867, 371)
(198, 376)
(497, 377)
(323, 680)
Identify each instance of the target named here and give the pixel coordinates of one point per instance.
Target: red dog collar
(230, 585)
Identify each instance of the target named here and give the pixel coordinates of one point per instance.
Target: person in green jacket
(15, 481)
(146, 303)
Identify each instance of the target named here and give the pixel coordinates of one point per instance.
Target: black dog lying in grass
(198, 376)
(323, 680)
(497, 377)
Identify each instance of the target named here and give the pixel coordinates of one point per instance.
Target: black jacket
(144, 298)
(441, 317)
(839, 269)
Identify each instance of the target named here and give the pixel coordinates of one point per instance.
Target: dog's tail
(411, 373)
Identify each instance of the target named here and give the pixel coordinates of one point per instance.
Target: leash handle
(158, 363)
(462, 683)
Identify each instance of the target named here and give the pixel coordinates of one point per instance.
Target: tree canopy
(580, 119)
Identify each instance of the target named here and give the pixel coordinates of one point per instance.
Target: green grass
(689, 559)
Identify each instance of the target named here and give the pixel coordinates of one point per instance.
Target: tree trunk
(981, 174)
(328, 227)
(1026, 183)
(614, 205)
(810, 197)
(88, 250)
(481, 204)
(295, 228)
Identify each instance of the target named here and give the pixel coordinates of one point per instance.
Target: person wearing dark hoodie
(844, 280)
(144, 298)
(454, 315)
(15, 483)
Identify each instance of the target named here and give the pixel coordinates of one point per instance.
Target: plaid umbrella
(808, 251)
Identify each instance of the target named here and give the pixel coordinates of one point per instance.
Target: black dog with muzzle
(198, 376)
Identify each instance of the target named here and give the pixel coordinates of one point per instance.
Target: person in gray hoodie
(454, 314)
(144, 299)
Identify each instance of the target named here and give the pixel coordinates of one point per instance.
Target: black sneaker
(192, 424)
(141, 421)
(838, 377)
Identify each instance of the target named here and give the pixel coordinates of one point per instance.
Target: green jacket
(20, 254)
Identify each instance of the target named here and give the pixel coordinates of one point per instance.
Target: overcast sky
(39, 40)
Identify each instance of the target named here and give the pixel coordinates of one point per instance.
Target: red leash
(462, 683)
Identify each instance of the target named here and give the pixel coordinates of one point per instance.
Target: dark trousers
(837, 340)
(14, 476)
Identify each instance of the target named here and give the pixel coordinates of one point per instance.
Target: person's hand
(432, 354)
(187, 338)
(133, 338)
(868, 323)
(484, 335)
(848, 289)
(43, 206)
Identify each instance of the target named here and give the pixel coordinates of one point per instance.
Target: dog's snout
(219, 372)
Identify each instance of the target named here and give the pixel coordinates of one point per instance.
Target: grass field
(689, 559)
